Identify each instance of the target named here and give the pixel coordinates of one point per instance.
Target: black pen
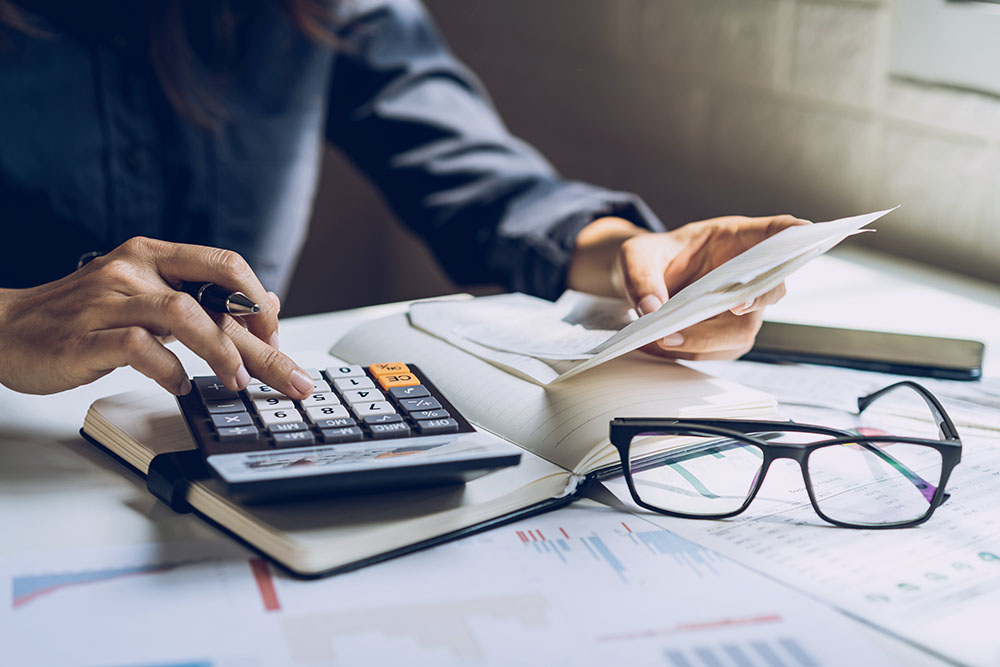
(209, 295)
(220, 300)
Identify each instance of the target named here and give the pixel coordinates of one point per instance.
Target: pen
(220, 300)
(209, 295)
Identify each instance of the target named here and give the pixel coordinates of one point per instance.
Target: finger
(177, 314)
(108, 349)
(724, 336)
(266, 363)
(642, 265)
(276, 303)
(179, 262)
(767, 299)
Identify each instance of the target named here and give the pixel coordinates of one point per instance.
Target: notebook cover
(179, 491)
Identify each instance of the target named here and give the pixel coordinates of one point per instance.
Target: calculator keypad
(349, 404)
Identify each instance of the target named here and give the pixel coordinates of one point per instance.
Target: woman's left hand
(613, 257)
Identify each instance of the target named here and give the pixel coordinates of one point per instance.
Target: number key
(349, 384)
(273, 403)
(363, 396)
(322, 412)
(278, 416)
(334, 372)
(320, 399)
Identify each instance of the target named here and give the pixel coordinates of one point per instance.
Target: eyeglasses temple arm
(946, 427)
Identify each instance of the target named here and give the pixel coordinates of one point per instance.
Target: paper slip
(545, 342)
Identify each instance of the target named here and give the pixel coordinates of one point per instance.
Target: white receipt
(545, 342)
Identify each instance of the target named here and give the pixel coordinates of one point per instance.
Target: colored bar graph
(28, 588)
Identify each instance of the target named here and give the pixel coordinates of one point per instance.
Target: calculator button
(216, 407)
(278, 416)
(415, 404)
(238, 433)
(320, 399)
(287, 427)
(391, 368)
(416, 391)
(349, 434)
(397, 430)
(273, 403)
(314, 373)
(339, 422)
(383, 419)
(232, 419)
(321, 387)
(398, 380)
(321, 412)
(347, 384)
(363, 396)
(210, 389)
(377, 408)
(429, 414)
(334, 372)
(256, 391)
(294, 439)
(435, 426)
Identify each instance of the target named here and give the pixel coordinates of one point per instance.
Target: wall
(710, 107)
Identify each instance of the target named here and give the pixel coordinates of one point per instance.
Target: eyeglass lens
(874, 483)
(705, 477)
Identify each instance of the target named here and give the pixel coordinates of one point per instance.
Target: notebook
(562, 430)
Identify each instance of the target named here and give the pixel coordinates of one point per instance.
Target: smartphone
(903, 354)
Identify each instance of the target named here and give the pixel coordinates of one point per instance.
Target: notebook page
(565, 423)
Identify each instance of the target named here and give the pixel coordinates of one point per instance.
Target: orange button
(400, 380)
(391, 368)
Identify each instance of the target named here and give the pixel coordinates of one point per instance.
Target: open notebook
(563, 430)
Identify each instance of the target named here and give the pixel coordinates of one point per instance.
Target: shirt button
(136, 160)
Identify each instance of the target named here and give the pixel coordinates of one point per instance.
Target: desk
(58, 492)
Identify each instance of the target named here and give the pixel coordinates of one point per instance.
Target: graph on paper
(612, 545)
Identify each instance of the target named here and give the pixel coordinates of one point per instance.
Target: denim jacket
(92, 152)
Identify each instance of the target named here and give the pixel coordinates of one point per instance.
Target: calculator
(376, 428)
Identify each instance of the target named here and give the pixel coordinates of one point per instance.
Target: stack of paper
(545, 342)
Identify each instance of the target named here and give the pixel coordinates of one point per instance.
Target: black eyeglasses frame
(624, 429)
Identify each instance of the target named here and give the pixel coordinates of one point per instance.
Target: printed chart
(583, 585)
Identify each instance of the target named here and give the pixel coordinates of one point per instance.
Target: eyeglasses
(854, 480)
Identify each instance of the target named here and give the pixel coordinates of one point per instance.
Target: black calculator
(376, 428)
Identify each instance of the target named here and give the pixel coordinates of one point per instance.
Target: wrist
(594, 263)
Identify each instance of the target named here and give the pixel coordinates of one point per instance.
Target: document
(545, 343)
(936, 585)
(581, 586)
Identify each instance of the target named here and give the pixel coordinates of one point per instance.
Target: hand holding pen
(115, 311)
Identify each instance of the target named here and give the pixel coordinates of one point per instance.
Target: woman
(182, 140)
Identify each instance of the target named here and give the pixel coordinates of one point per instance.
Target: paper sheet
(581, 586)
(937, 585)
(546, 342)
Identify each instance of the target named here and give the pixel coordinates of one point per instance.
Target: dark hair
(189, 76)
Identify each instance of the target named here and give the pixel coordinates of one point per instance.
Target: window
(949, 42)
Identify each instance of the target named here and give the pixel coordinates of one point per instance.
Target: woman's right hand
(115, 310)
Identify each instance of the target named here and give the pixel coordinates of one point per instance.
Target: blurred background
(819, 108)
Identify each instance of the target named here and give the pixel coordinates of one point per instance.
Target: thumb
(642, 266)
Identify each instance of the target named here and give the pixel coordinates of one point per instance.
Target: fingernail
(744, 307)
(302, 382)
(273, 341)
(242, 377)
(673, 340)
(649, 304)
(185, 388)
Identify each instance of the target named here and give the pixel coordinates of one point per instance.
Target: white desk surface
(57, 491)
